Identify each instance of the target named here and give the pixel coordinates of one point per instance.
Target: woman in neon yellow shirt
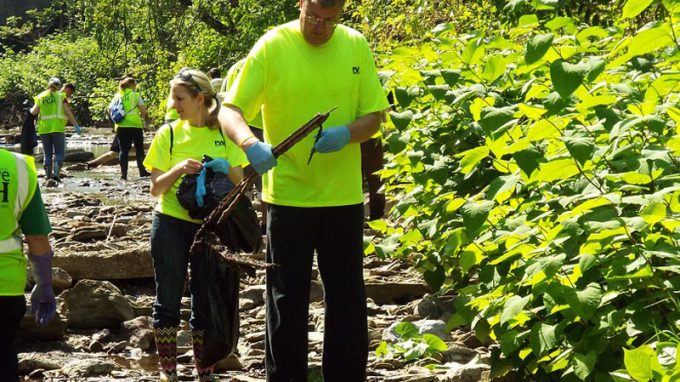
(176, 150)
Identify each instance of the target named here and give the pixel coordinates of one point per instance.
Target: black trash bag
(217, 186)
(240, 231)
(29, 138)
(221, 331)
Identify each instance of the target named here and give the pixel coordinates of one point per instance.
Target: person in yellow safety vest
(21, 212)
(53, 111)
(131, 129)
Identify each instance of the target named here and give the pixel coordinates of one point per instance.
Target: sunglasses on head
(186, 76)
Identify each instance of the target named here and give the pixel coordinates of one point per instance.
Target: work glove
(78, 129)
(261, 157)
(43, 302)
(218, 165)
(332, 139)
(200, 187)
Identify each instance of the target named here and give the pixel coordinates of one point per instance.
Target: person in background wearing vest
(296, 70)
(131, 129)
(215, 79)
(176, 150)
(21, 212)
(53, 111)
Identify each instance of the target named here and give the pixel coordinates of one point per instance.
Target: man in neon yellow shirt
(294, 71)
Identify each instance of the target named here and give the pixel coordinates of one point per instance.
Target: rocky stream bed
(104, 279)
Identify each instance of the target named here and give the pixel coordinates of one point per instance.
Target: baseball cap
(54, 81)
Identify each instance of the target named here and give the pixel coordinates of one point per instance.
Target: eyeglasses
(326, 23)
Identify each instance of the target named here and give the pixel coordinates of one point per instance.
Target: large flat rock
(130, 263)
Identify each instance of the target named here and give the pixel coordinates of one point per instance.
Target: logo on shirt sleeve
(355, 70)
(219, 143)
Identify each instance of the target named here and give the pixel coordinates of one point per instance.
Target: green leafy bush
(536, 173)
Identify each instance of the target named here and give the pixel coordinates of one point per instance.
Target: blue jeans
(53, 143)
(171, 240)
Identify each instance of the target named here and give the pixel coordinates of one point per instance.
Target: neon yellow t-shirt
(188, 142)
(290, 81)
(229, 81)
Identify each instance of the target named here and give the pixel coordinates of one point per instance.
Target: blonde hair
(126, 83)
(197, 82)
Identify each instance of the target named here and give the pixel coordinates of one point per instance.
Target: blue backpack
(117, 110)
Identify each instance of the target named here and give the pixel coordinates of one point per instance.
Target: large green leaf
(649, 40)
(585, 302)
(513, 307)
(581, 148)
(434, 342)
(471, 158)
(475, 214)
(633, 8)
(639, 363)
(537, 46)
(494, 67)
(451, 76)
(401, 120)
(406, 95)
(653, 213)
(528, 160)
(501, 186)
(584, 364)
(493, 118)
(566, 77)
(542, 338)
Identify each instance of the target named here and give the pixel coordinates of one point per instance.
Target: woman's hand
(189, 166)
(161, 182)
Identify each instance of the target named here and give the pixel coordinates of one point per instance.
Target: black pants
(372, 161)
(336, 233)
(126, 137)
(13, 309)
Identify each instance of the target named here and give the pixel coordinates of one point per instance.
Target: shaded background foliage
(94, 43)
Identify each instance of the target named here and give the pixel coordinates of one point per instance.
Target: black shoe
(144, 174)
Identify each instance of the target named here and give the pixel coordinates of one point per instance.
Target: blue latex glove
(43, 302)
(332, 139)
(78, 129)
(200, 187)
(218, 165)
(261, 157)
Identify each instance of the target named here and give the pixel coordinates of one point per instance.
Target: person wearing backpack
(53, 112)
(130, 128)
(175, 152)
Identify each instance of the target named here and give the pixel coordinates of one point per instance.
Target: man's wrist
(247, 142)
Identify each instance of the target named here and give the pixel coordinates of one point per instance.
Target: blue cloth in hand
(78, 129)
(218, 165)
(200, 187)
(332, 139)
(261, 157)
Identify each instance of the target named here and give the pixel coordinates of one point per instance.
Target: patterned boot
(204, 373)
(166, 344)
